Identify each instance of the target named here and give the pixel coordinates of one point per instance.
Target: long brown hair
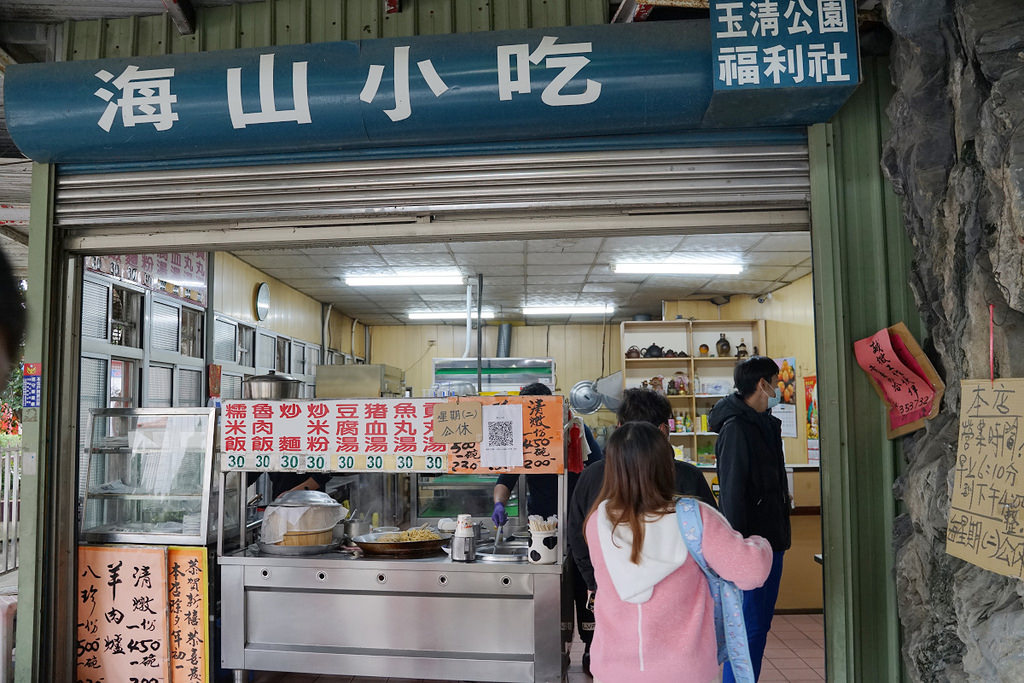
(639, 479)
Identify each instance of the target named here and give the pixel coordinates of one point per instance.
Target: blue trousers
(758, 609)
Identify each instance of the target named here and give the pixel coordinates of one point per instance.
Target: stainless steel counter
(413, 618)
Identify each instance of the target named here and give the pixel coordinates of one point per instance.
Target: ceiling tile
(273, 259)
(765, 272)
(582, 244)
(490, 258)
(493, 247)
(417, 248)
(641, 243)
(338, 262)
(737, 286)
(420, 261)
(558, 270)
(775, 258)
(568, 257)
(738, 242)
(622, 288)
(339, 251)
(571, 281)
(786, 241)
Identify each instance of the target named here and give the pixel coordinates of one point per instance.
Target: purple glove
(499, 516)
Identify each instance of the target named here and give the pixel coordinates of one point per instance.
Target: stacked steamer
(301, 518)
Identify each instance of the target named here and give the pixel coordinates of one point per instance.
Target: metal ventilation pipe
(504, 341)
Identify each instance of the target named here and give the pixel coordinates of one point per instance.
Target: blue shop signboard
(539, 84)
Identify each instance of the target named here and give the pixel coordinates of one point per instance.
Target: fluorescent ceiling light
(446, 315)
(436, 277)
(600, 309)
(680, 268)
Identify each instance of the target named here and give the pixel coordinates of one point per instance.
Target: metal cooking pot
(356, 527)
(270, 386)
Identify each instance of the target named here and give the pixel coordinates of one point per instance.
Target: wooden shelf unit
(714, 374)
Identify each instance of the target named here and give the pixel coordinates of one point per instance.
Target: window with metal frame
(95, 298)
(165, 327)
(126, 317)
(191, 332)
(225, 341)
(281, 357)
(190, 388)
(266, 350)
(160, 388)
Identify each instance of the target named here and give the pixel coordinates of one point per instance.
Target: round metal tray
(297, 550)
(372, 546)
(513, 551)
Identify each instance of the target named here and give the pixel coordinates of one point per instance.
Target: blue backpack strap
(730, 630)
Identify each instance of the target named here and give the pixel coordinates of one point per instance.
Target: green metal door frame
(861, 270)
(46, 575)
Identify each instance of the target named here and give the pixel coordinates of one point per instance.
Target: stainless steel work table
(413, 618)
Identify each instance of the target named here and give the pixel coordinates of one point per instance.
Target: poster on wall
(122, 625)
(986, 520)
(786, 409)
(811, 402)
(902, 376)
(189, 613)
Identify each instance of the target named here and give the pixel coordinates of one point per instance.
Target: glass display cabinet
(149, 477)
(436, 496)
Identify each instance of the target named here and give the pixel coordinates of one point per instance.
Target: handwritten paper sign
(502, 444)
(541, 438)
(458, 422)
(382, 435)
(986, 517)
(122, 630)
(189, 614)
(902, 376)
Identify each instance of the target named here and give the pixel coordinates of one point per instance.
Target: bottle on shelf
(687, 422)
(671, 424)
(741, 350)
(696, 383)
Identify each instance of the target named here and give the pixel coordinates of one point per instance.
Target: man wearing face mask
(754, 491)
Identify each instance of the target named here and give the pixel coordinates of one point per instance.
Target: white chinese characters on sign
(831, 16)
(566, 57)
(145, 98)
(268, 113)
(744, 59)
(403, 105)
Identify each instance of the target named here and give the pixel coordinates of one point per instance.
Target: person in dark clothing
(542, 499)
(12, 319)
(754, 492)
(638, 405)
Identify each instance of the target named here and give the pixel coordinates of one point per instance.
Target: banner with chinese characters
(376, 435)
(902, 376)
(181, 275)
(438, 90)
(189, 614)
(541, 439)
(122, 630)
(759, 49)
(986, 516)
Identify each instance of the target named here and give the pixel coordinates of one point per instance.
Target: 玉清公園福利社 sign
(426, 90)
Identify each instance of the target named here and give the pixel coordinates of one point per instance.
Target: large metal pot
(270, 386)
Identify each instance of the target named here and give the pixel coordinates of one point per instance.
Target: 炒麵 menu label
(986, 520)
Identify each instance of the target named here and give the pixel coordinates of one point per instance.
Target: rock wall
(956, 156)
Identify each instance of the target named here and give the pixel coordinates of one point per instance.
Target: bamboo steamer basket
(308, 537)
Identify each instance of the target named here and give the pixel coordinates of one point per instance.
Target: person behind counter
(655, 615)
(542, 499)
(638, 405)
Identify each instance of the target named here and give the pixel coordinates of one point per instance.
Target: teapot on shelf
(669, 353)
(653, 351)
(633, 352)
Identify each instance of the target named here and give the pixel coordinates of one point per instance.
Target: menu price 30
(285, 462)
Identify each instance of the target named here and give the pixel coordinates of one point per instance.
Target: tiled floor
(795, 652)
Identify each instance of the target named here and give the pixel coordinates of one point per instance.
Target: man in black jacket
(638, 405)
(754, 491)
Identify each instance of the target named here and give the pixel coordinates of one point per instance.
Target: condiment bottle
(464, 540)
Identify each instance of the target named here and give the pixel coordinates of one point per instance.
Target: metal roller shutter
(160, 384)
(190, 388)
(436, 193)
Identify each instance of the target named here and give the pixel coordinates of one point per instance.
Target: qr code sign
(500, 434)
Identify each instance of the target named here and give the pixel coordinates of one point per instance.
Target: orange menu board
(539, 438)
(189, 616)
(122, 615)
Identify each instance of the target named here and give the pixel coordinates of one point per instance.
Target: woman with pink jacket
(655, 619)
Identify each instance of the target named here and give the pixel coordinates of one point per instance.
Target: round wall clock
(262, 301)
